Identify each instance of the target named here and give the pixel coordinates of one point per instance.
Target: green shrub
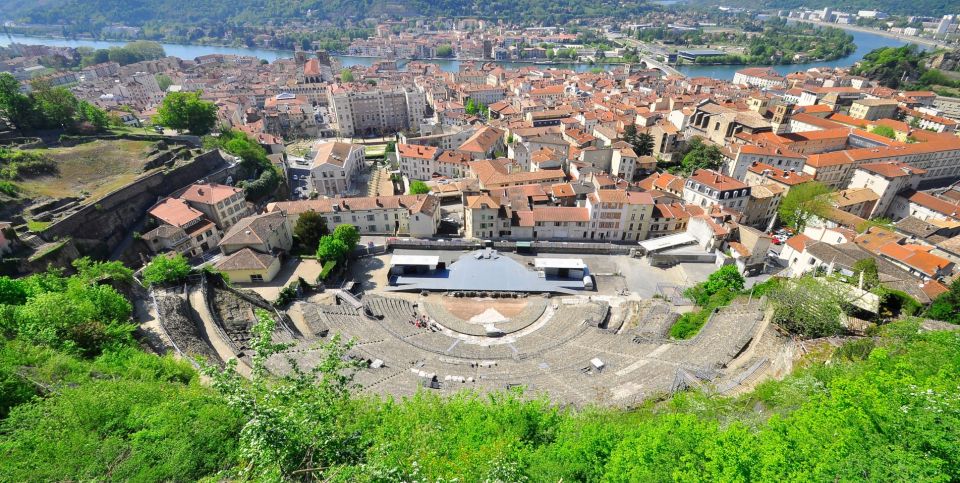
(165, 269)
(328, 267)
(9, 189)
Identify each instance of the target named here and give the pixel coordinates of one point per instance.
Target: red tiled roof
(416, 151)
(209, 193)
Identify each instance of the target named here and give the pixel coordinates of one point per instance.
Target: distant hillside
(897, 7)
(260, 12)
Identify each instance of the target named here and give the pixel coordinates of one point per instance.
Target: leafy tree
(15, 107)
(803, 202)
(12, 292)
(419, 188)
(726, 277)
(716, 291)
(127, 414)
(287, 418)
(77, 314)
(348, 234)
(700, 156)
(445, 51)
(868, 268)
(643, 144)
(808, 306)
(946, 306)
(332, 248)
(338, 245)
(185, 111)
(164, 81)
(309, 228)
(97, 272)
(630, 133)
(346, 75)
(165, 269)
(94, 115)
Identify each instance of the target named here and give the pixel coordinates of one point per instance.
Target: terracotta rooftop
(176, 212)
(716, 180)
(209, 193)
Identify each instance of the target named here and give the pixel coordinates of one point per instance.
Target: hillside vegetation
(80, 401)
(261, 12)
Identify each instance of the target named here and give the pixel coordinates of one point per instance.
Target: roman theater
(482, 320)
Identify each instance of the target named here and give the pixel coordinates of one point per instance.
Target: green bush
(9, 189)
(286, 295)
(328, 267)
(689, 324)
(165, 269)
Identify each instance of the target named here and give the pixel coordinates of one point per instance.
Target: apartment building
(938, 155)
(409, 215)
(366, 110)
(181, 229)
(873, 109)
(707, 188)
(222, 204)
(620, 215)
(738, 158)
(763, 204)
(759, 77)
(886, 179)
(417, 162)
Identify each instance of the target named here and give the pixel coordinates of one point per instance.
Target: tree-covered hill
(260, 12)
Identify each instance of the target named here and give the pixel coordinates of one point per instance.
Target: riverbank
(865, 43)
(890, 35)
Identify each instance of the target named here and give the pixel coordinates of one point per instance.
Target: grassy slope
(96, 168)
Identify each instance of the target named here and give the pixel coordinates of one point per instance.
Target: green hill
(261, 12)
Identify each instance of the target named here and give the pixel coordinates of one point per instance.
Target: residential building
(222, 204)
(334, 167)
(886, 179)
(417, 162)
(763, 204)
(706, 188)
(180, 229)
(268, 233)
(759, 77)
(873, 109)
(364, 109)
(410, 215)
(249, 266)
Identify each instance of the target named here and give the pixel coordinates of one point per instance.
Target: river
(865, 43)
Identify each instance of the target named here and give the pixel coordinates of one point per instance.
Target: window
(256, 277)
